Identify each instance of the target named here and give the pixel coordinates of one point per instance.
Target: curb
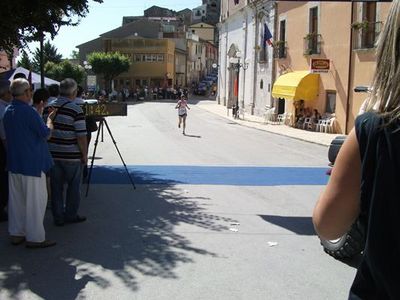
(247, 123)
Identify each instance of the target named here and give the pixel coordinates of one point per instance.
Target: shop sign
(320, 65)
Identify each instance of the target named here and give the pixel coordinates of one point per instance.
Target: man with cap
(5, 99)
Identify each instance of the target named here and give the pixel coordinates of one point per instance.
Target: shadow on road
(129, 235)
(193, 136)
(298, 225)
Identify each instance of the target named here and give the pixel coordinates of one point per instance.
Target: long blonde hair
(386, 81)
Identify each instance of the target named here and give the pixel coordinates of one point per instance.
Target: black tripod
(101, 126)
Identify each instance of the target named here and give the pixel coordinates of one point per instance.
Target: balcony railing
(365, 34)
(312, 44)
(280, 48)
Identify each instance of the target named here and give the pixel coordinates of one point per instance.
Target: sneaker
(44, 244)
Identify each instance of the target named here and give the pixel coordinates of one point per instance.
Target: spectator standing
(79, 99)
(5, 99)
(365, 178)
(68, 147)
(54, 91)
(40, 99)
(91, 125)
(316, 116)
(28, 159)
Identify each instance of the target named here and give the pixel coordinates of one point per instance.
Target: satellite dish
(214, 65)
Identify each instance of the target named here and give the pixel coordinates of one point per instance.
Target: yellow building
(152, 61)
(341, 35)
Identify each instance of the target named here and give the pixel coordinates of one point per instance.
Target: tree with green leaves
(25, 61)
(24, 21)
(65, 69)
(50, 54)
(74, 55)
(110, 65)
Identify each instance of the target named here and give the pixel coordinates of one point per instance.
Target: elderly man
(5, 99)
(28, 159)
(68, 146)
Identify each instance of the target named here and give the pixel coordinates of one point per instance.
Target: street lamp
(86, 65)
(235, 64)
(90, 79)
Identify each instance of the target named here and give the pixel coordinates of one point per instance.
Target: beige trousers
(27, 206)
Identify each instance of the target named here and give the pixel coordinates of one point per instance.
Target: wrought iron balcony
(312, 44)
(280, 48)
(365, 34)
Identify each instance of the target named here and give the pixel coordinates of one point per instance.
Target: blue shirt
(26, 134)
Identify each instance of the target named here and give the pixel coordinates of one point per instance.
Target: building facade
(245, 59)
(307, 32)
(203, 30)
(152, 62)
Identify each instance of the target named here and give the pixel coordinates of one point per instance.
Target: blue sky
(105, 17)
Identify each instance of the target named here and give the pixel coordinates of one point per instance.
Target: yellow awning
(299, 85)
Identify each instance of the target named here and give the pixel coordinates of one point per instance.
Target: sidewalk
(259, 123)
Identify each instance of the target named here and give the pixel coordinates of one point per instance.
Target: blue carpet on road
(246, 176)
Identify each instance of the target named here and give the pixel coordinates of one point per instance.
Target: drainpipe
(349, 88)
(225, 68)
(244, 62)
(256, 33)
(273, 71)
(186, 63)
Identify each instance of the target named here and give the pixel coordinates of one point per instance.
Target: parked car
(214, 78)
(201, 89)
(207, 82)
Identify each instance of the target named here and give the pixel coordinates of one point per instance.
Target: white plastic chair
(307, 123)
(319, 125)
(269, 116)
(282, 118)
(328, 125)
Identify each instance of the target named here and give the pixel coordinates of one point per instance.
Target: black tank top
(378, 276)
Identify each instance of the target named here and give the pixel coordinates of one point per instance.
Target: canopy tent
(298, 85)
(35, 76)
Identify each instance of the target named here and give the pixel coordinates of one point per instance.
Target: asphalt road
(221, 213)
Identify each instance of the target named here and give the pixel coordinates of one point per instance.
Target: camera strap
(58, 109)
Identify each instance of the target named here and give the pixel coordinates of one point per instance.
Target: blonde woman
(366, 176)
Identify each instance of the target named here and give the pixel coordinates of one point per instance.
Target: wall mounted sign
(320, 65)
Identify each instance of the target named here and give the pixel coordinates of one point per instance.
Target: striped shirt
(69, 124)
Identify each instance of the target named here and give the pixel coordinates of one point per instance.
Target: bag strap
(58, 109)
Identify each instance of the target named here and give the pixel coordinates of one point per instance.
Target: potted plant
(308, 52)
(278, 44)
(310, 36)
(360, 25)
